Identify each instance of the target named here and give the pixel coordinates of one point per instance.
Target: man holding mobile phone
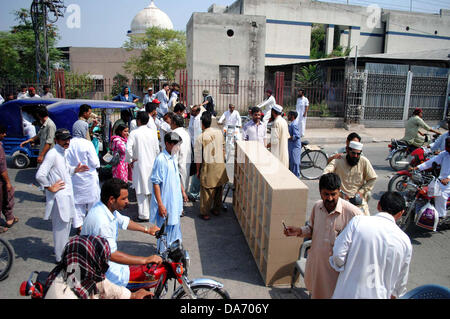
(320, 277)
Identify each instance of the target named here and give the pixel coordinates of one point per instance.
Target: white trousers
(80, 214)
(143, 202)
(440, 202)
(61, 232)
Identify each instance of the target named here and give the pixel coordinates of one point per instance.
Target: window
(229, 79)
(99, 85)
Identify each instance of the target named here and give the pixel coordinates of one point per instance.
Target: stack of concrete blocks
(266, 194)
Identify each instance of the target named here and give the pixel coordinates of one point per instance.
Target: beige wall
(100, 61)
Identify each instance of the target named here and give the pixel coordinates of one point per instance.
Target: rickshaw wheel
(20, 160)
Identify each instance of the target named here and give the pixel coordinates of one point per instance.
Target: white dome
(150, 17)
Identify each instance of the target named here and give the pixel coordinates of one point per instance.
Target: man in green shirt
(412, 134)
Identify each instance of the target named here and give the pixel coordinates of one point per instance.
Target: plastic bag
(427, 217)
(434, 189)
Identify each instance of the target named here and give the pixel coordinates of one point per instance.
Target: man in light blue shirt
(163, 97)
(439, 144)
(168, 192)
(255, 130)
(104, 220)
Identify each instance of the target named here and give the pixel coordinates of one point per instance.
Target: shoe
(16, 220)
(3, 230)
(140, 220)
(205, 217)
(215, 213)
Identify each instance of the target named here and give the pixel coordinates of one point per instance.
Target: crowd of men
(170, 164)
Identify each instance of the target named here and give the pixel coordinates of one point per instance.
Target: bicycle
(312, 162)
(6, 258)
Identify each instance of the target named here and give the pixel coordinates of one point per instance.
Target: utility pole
(40, 10)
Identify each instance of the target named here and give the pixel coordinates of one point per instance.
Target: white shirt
(184, 155)
(195, 128)
(148, 98)
(27, 96)
(300, 107)
(1, 99)
(302, 103)
(86, 188)
(163, 130)
(439, 144)
(255, 132)
(266, 107)
(100, 221)
(442, 159)
(372, 255)
(233, 119)
(53, 169)
(163, 107)
(142, 146)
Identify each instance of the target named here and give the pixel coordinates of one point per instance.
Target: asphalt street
(218, 248)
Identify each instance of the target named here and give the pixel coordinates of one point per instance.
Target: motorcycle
(400, 154)
(175, 266)
(416, 196)
(418, 156)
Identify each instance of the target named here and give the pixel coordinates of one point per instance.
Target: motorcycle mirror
(161, 231)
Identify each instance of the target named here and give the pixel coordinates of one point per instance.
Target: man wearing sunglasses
(357, 175)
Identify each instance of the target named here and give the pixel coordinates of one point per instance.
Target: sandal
(205, 217)
(16, 220)
(3, 230)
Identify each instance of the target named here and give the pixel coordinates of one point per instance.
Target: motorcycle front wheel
(407, 218)
(206, 292)
(6, 258)
(396, 183)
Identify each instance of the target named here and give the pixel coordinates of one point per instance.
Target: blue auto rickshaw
(14, 115)
(63, 112)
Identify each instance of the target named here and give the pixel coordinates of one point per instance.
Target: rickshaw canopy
(65, 112)
(11, 114)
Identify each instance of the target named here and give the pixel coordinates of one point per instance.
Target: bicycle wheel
(206, 292)
(312, 164)
(6, 258)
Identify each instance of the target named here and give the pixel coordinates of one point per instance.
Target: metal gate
(393, 97)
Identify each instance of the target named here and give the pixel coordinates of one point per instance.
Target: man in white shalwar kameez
(266, 106)
(372, 254)
(86, 186)
(184, 153)
(279, 136)
(54, 174)
(302, 108)
(142, 149)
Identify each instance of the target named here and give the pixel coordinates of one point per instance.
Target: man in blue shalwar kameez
(168, 192)
(294, 144)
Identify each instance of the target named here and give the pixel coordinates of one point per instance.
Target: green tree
(78, 86)
(308, 75)
(163, 52)
(119, 81)
(17, 49)
(317, 50)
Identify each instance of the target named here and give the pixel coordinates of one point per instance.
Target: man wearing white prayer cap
(279, 135)
(356, 173)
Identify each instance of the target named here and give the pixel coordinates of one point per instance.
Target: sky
(104, 23)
